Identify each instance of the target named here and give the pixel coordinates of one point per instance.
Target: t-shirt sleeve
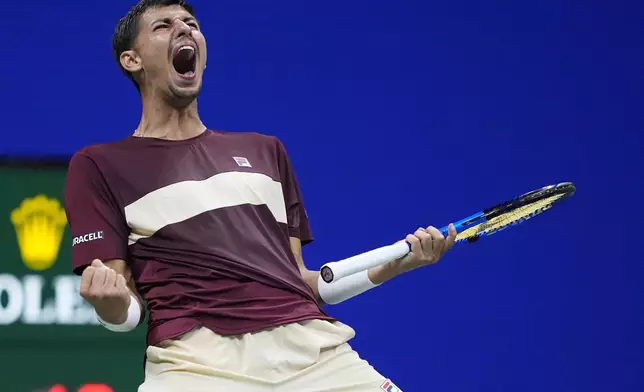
(97, 224)
(298, 221)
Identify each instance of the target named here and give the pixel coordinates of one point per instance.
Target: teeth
(186, 47)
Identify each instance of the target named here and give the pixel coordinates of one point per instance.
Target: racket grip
(336, 270)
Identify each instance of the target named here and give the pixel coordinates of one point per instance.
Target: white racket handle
(337, 270)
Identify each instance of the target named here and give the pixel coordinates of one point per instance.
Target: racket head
(512, 212)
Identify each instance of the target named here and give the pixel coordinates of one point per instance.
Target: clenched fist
(106, 290)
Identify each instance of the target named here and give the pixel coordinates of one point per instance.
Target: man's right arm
(99, 247)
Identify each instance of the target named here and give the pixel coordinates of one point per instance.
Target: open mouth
(184, 61)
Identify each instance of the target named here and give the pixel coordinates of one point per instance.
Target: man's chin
(184, 94)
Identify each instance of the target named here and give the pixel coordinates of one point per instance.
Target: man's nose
(182, 28)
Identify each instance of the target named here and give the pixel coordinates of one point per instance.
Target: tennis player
(205, 229)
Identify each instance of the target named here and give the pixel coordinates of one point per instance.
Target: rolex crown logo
(40, 224)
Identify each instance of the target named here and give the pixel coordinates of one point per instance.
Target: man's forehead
(163, 12)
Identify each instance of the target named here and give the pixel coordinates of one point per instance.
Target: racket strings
(509, 218)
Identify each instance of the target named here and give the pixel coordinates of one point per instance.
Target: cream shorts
(310, 356)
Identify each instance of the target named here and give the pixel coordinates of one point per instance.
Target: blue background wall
(406, 113)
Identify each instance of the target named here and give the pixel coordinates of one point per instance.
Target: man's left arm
(427, 247)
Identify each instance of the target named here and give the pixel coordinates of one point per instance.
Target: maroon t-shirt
(204, 225)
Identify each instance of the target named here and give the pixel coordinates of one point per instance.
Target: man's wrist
(385, 272)
(111, 315)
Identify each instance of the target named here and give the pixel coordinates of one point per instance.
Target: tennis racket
(482, 224)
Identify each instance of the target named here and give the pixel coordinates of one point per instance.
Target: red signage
(84, 388)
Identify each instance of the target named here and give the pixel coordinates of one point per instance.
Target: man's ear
(130, 61)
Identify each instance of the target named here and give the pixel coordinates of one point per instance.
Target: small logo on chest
(242, 162)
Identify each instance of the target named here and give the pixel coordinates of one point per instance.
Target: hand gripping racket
(482, 224)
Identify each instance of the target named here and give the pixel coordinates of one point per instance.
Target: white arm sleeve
(133, 318)
(345, 288)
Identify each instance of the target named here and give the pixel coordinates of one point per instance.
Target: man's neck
(163, 121)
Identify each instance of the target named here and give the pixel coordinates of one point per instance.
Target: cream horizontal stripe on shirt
(183, 200)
